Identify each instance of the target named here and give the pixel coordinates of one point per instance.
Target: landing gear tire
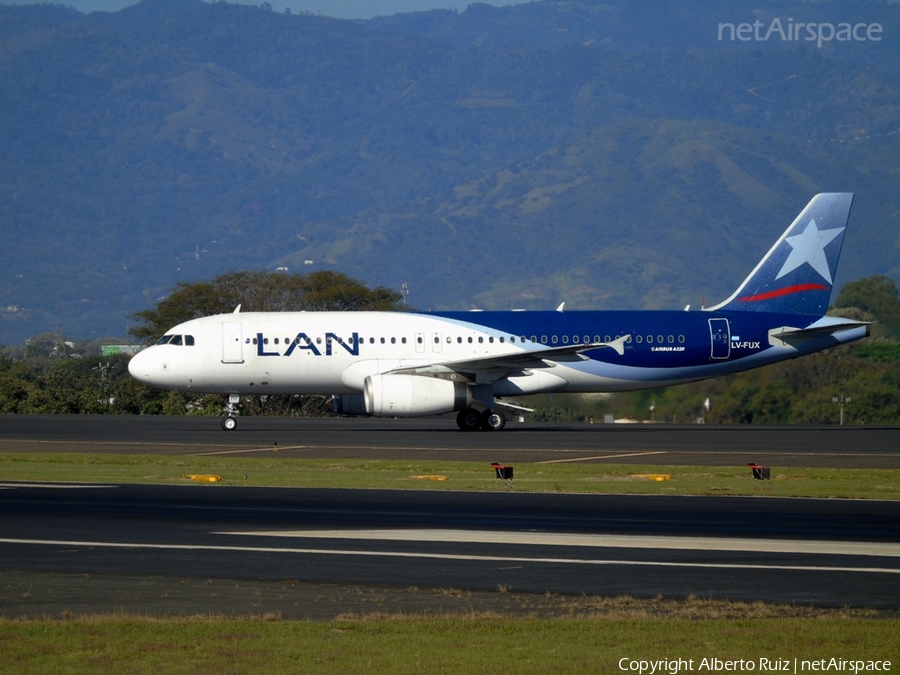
(468, 419)
(229, 423)
(492, 420)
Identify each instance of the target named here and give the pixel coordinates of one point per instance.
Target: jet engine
(413, 395)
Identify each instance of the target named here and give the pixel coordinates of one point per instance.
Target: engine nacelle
(414, 395)
(349, 404)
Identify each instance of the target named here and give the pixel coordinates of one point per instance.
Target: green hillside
(498, 157)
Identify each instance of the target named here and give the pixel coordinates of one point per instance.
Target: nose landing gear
(229, 422)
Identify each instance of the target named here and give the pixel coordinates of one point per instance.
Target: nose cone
(143, 365)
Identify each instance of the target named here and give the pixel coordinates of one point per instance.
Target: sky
(342, 9)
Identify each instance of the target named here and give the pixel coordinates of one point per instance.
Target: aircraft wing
(484, 369)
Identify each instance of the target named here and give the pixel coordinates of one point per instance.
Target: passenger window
(681, 339)
(639, 339)
(459, 340)
(470, 340)
(491, 339)
(403, 340)
(659, 339)
(382, 340)
(671, 339)
(649, 339)
(419, 339)
(554, 339)
(534, 338)
(502, 340)
(276, 341)
(393, 341)
(575, 339)
(606, 338)
(449, 340)
(543, 339)
(565, 339)
(480, 340)
(596, 338)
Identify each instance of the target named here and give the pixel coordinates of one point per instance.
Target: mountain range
(606, 154)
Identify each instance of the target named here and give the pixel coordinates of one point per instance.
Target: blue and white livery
(405, 364)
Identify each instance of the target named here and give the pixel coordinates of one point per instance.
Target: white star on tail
(809, 247)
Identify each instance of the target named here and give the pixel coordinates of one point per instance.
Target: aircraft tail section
(796, 276)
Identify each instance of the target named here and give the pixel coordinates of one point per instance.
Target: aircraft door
(720, 334)
(232, 342)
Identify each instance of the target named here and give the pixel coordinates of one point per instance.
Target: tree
(262, 292)
(877, 295)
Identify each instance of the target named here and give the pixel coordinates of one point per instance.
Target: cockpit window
(177, 340)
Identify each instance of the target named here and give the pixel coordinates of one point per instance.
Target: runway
(817, 552)
(61, 538)
(438, 438)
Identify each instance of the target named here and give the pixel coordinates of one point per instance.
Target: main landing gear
(471, 419)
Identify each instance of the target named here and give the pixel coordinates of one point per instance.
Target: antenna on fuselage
(237, 310)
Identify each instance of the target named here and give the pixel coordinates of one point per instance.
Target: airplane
(407, 364)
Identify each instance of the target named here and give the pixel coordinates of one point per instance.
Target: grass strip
(274, 471)
(440, 644)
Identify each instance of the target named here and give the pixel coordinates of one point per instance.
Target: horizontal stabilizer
(783, 336)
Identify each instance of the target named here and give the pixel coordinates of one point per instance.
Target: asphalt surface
(438, 438)
(775, 550)
(318, 553)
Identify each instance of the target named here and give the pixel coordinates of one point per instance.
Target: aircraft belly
(594, 376)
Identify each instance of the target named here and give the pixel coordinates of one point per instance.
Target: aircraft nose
(141, 366)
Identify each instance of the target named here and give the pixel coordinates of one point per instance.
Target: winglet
(618, 344)
(561, 307)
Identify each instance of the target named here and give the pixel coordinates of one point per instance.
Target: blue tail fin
(797, 274)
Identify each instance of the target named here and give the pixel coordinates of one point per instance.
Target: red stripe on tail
(788, 290)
